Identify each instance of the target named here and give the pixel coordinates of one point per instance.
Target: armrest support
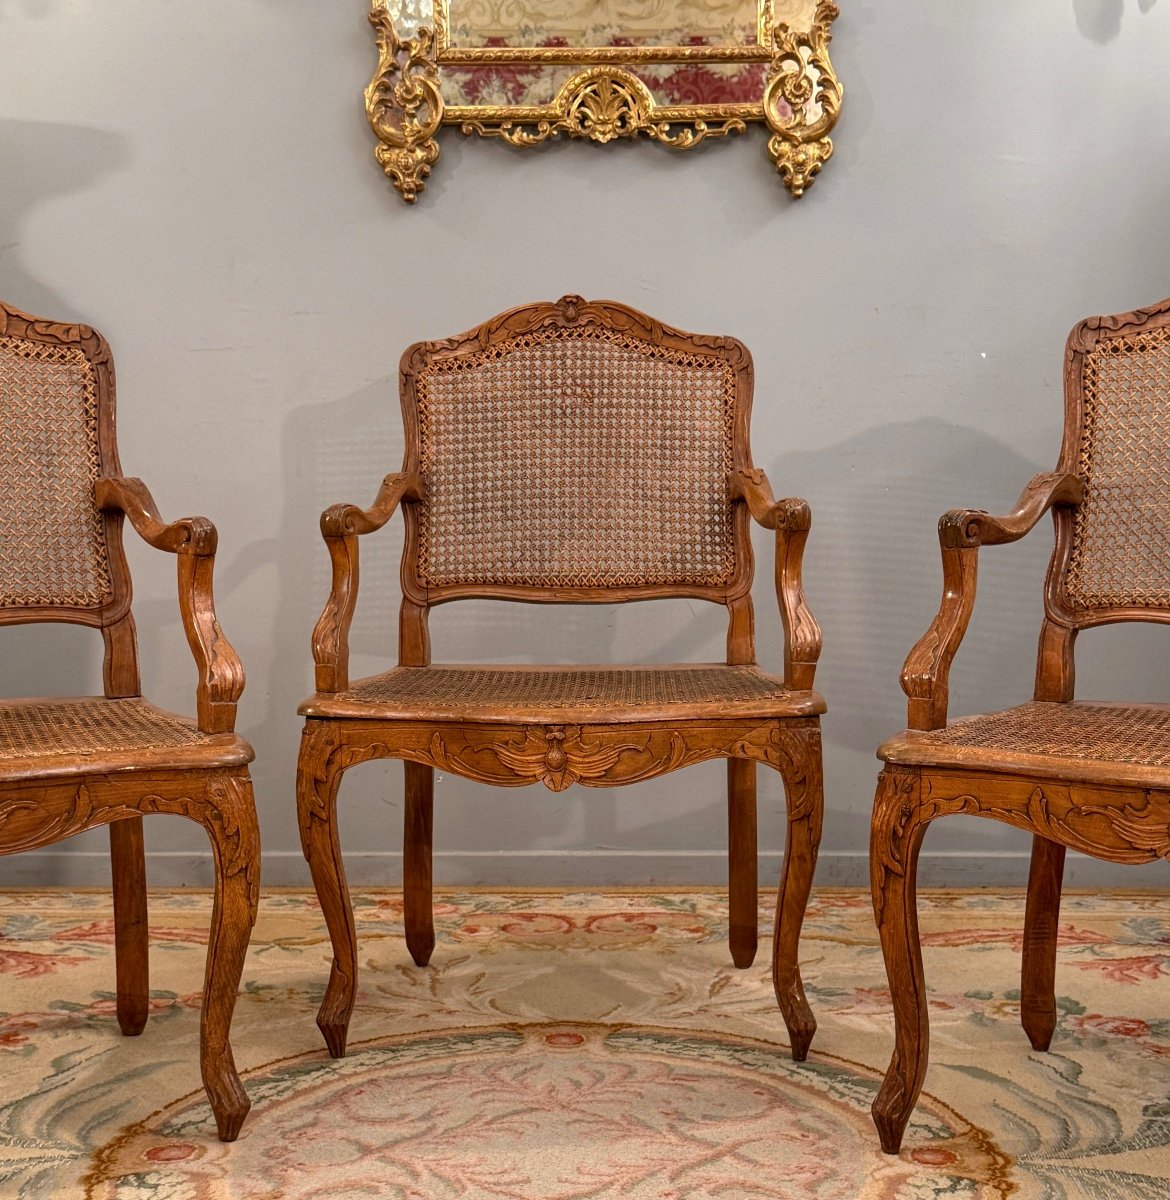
(791, 519)
(193, 540)
(341, 526)
(926, 674)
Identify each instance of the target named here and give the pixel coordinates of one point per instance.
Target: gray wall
(197, 181)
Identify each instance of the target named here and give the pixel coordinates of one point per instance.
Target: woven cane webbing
(1134, 734)
(52, 545)
(53, 727)
(1121, 540)
(569, 687)
(576, 457)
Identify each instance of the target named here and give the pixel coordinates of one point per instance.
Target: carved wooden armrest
(926, 674)
(341, 525)
(193, 540)
(791, 519)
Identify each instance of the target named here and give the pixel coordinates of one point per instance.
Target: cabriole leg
(1041, 921)
(235, 841)
(804, 791)
(131, 934)
(318, 776)
(895, 840)
(418, 910)
(742, 862)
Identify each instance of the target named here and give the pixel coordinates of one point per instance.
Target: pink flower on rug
(101, 933)
(1127, 970)
(107, 1006)
(14, 1032)
(1131, 1027)
(1067, 935)
(520, 925)
(25, 964)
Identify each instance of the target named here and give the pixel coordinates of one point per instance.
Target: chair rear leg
(418, 829)
(131, 935)
(742, 862)
(896, 837)
(1041, 921)
(804, 791)
(235, 841)
(318, 777)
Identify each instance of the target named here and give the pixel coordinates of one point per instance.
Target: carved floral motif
(558, 755)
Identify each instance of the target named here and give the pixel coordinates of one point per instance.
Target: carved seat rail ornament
(513, 429)
(1076, 775)
(678, 73)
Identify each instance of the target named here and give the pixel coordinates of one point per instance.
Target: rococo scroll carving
(40, 815)
(499, 71)
(802, 99)
(403, 104)
(557, 755)
(604, 103)
(1134, 829)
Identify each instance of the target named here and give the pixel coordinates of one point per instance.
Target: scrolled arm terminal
(791, 519)
(341, 526)
(193, 540)
(961, 531)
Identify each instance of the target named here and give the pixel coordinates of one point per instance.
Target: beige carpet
(565, 1046)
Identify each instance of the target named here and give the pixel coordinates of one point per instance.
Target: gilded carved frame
(428, 75)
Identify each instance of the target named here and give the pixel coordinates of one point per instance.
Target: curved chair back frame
(510, 420)
(61, 556)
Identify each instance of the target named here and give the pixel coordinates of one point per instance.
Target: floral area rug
(571, 1046)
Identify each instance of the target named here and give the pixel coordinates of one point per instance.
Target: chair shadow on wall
(42, 161)
(339, 451)
(1100, 20)
(874, 577)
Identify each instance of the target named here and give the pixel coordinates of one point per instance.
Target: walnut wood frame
(45, 800)
(1113, 811)
(604, 98)
(597, 749)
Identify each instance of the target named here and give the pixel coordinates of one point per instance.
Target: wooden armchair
(1091, 776)
(570, 453)
(67, 765)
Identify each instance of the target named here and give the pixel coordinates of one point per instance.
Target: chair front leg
(800, 767)
(235, 841)
(319, 772)
(1041, 922)
(742, 861)
(895, 840)
(418, 829)
(131, 933)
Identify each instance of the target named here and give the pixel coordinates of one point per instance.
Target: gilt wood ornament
(597, 69)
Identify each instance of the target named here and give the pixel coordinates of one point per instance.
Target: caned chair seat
(1076, 741)
(92, 735)
(600, 695)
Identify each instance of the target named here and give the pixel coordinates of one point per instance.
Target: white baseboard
(578, 868)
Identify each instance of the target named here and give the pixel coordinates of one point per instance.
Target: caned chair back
(60, 556)
(576, 451)
(1113, 551)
